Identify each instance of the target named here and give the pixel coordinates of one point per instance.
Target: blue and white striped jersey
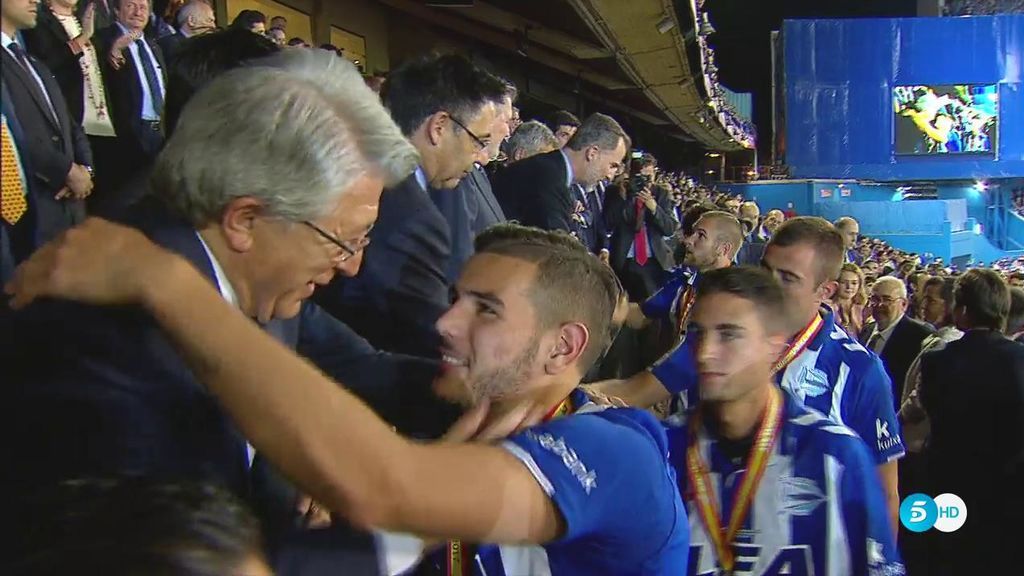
(834, 375)
(819, 508)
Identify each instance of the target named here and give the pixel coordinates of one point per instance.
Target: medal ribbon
(757, 461)
(799, 344)
(685, 303)
(458, 563)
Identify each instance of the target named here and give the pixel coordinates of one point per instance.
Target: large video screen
(957, 119)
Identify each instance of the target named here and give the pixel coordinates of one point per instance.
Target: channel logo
(920, 512)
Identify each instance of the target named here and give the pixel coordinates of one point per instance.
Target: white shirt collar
(223, 284)
(570, 174)
(421, 177)
(7, 40)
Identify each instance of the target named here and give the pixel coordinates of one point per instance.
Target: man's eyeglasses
(349, 251)
(480, 142)
(876, 299)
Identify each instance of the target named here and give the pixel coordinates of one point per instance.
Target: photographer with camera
(640, 218)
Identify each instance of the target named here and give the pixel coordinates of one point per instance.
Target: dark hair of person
(985, 296)
(571, 285)
(246, 19)
(205, 57)
(136, 527)
(1015, 321)
(562, 118)
(451, 83)
(750, 283)
(601, 131)
(821, 235)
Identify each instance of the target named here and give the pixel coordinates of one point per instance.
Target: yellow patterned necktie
(12, 198)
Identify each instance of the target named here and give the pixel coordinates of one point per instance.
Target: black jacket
(535, 192)
(973, 392)
(622, 219)
(900, 351)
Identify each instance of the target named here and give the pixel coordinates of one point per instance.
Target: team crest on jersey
(800, 496)
(812, 382)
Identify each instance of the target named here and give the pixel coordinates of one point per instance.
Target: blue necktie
(150, 71)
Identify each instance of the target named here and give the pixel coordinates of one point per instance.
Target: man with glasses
(445, 106)
(893, 335)
(266, 210)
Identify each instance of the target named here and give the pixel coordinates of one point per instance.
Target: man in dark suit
(134, 78)
(535, 191)
(194, 19)
(893, 335)
(54, 146)
(973, 392)
(640, 221)
(591, 226)
(17, 217)
(445, 105)
(116, 396)
(470, 207)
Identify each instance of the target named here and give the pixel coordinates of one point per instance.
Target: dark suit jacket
(50, 145)
(124, 91)
(18, 241)
(49, 42)
(621, 214)
(900, 351)
(93, 391)
(170, 45)
(484, 209)
(752, 250)
(535, 192)
(973, 392)
(401, 289)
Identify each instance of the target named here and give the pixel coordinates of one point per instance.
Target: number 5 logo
(918, 512)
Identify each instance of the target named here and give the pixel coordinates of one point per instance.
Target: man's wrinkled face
(491, 340)
(288, 260)
(600, 163)
(887, 304)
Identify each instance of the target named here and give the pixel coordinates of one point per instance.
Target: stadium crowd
(265, 315)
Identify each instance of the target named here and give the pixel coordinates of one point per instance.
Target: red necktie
(640, 241)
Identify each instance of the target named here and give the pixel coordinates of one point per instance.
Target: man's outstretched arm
(322, 437)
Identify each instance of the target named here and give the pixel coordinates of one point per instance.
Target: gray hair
(531, 137)
(900, 287)
(192, 9)
(295, 130)
(601, 131)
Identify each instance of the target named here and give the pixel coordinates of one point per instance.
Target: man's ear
(591, 153)
(237, 222)
(434, 127)
(827, 290)
(572, 339)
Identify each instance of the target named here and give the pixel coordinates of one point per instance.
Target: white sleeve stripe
(531, 465)
(836, 413)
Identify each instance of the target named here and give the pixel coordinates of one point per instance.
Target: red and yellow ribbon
(686, 299)
(799, 344)
(757, 461)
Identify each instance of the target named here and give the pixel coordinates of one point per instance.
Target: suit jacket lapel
(30, 84)
(484, 185)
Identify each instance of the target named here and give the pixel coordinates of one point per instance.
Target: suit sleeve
(51, 50)
(870, 537)
(555, 207)
(661, 220)
(396, 386)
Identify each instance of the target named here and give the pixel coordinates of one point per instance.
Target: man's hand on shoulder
(97, 262)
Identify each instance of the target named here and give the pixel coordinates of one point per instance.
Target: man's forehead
(721, 308)
(497, 273)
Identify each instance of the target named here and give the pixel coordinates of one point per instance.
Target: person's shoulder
(843, 348)
(817, 434)
(918, 327)
(598, 429)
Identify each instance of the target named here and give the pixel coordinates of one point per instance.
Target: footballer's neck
(740, 418)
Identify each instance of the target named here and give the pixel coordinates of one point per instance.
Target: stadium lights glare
(980, 186)
(713, 154)
(665, 24)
